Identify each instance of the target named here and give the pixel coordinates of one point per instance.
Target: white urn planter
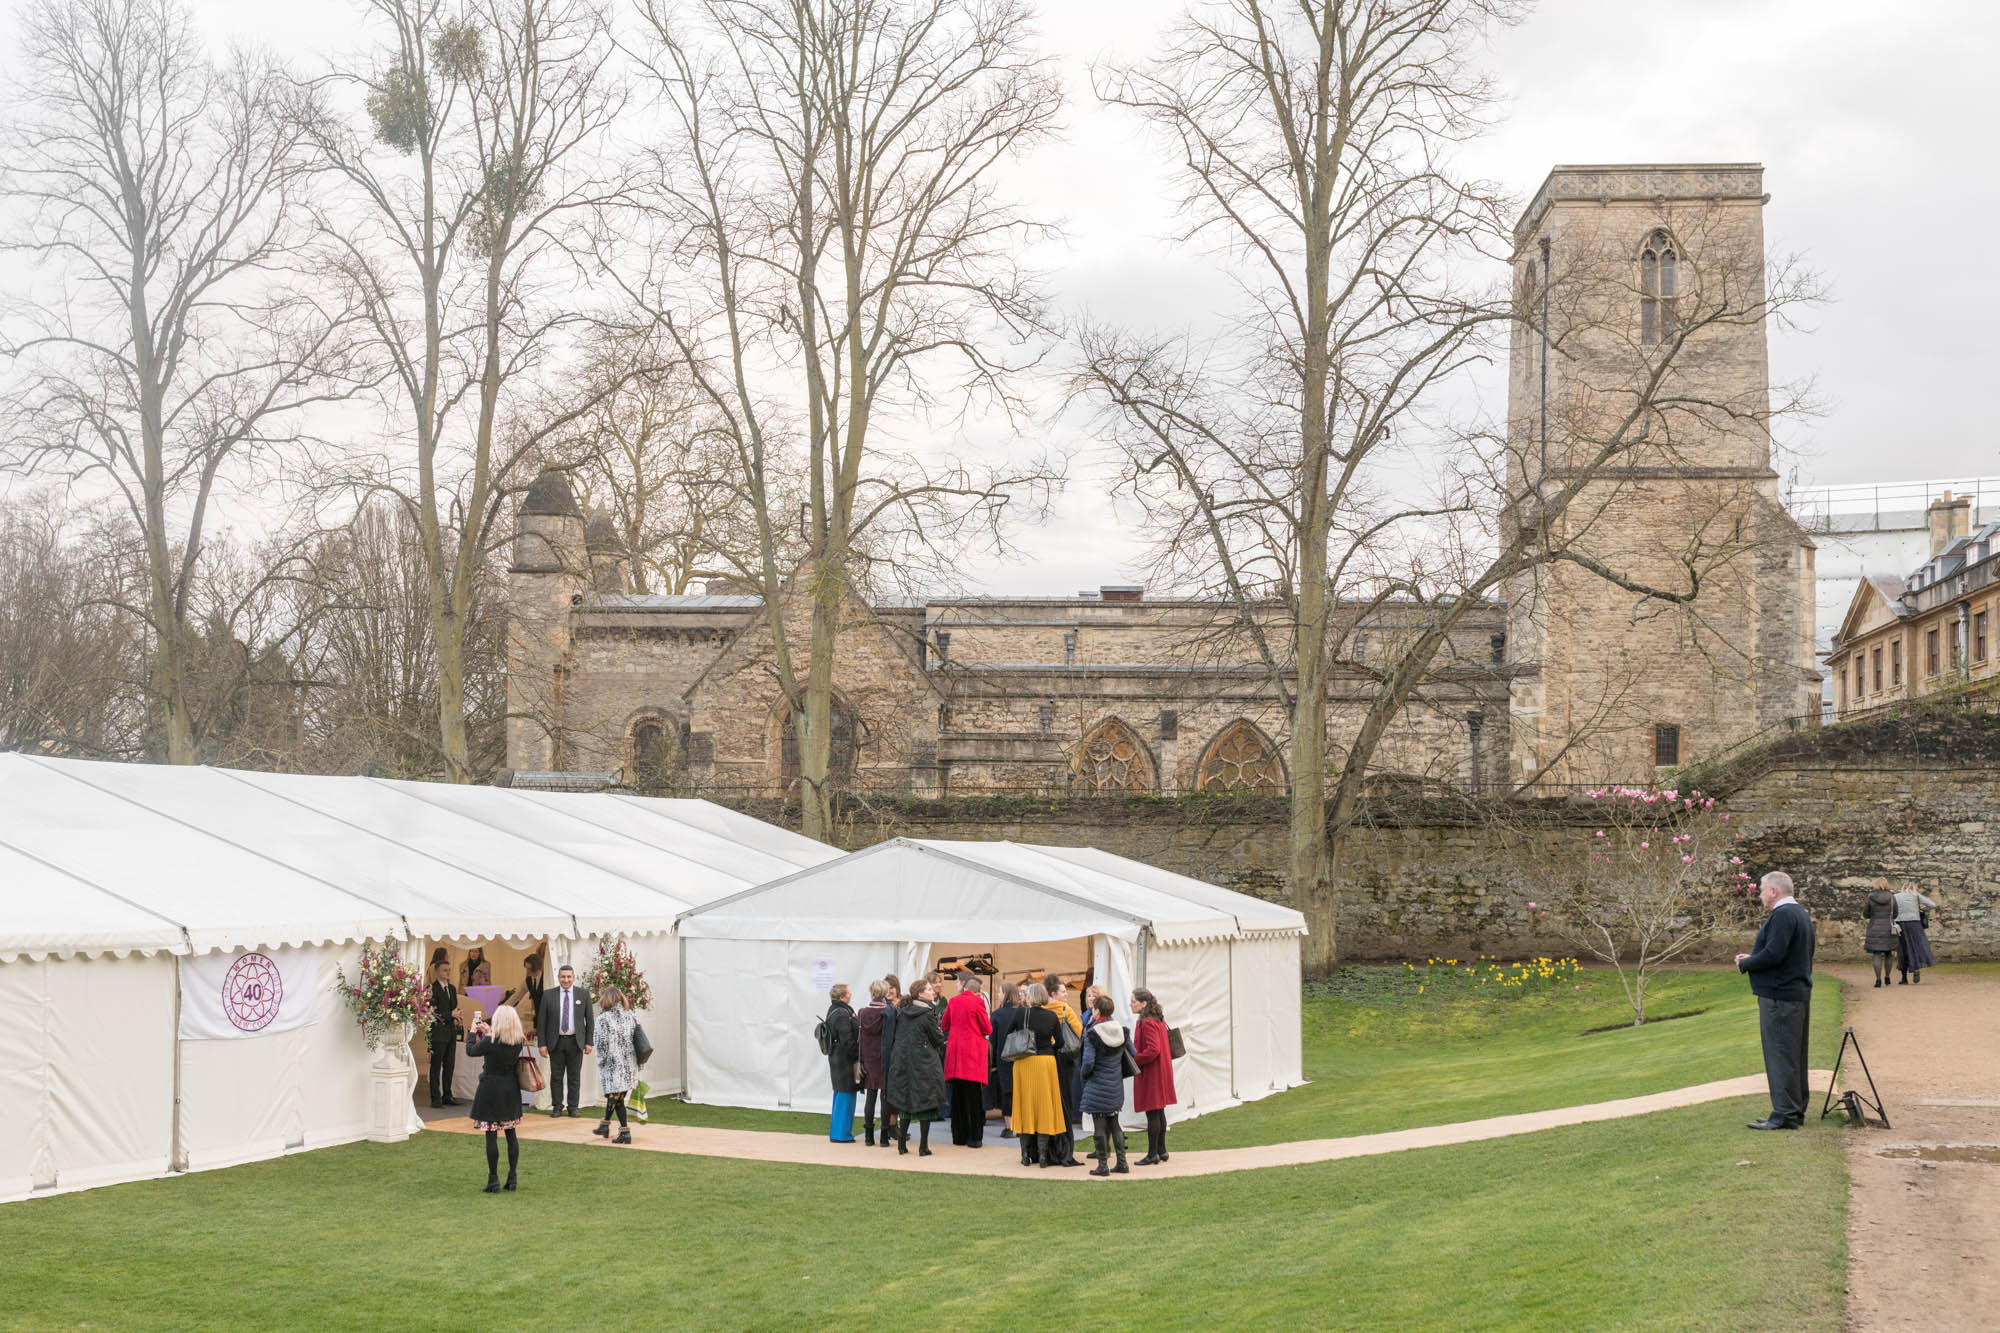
(391, 1084)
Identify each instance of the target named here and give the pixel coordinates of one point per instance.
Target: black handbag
(1175, 1047)
(1130, 1062)
(1018, 1044)
(642, 1049)
(1068, 1043)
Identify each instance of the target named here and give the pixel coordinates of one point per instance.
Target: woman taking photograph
(1153, 1088)
(916, 1065)
(617, 1059)
(1038, 1108)
(1878, 911)
(496, 1103)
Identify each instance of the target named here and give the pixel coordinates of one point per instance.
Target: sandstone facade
(1573, 678)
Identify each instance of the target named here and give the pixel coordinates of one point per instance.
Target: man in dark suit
(563, 1026)
(444, 1034)
(1780, 967)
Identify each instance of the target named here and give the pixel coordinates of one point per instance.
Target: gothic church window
(651, 755)
(1112, 759)
(1240, 758)
(840, 759)
(1659, 285)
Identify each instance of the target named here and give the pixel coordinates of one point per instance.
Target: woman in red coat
(1153, 1089)
(967, 1025)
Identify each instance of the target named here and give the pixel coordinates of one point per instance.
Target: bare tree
(167, 348)
(72, 664)
(648, 453)
(831, 213)
(467, 191)
(1276, 461)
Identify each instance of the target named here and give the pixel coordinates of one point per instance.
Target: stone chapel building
(1574, 677)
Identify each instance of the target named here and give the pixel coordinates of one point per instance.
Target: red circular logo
(252, 992)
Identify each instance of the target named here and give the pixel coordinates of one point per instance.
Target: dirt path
(1001, 1157)
(1923, 1225)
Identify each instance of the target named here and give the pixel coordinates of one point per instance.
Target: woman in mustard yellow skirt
(1038, 1108)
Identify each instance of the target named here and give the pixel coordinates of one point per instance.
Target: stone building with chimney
(1572, 678)
(1934, 630)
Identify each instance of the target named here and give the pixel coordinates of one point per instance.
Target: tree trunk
(816, 737)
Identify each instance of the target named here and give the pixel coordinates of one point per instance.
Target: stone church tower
(1678, 618)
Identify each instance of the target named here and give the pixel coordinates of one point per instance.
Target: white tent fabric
(751, 963)
(107, 872)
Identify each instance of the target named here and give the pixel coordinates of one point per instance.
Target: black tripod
(1852, 1102)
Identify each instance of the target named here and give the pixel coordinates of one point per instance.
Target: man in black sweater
(1780, 969)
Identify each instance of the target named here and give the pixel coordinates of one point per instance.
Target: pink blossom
(1645, 846)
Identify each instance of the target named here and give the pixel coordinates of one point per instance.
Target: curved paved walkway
(1000, 1157)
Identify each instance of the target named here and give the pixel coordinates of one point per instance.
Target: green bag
(635, 1102)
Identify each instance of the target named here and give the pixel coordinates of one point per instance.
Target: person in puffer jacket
(1103, 1086)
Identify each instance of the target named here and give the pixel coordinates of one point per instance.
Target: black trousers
(565, 1071)
(444, 1058)
(968, 1110)
(1783, 1024)
(1066, 1083)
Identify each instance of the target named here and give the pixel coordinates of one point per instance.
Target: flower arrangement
(615, 966)
(386, 994)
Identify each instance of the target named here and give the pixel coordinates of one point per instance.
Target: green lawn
(1380, 1056)
(1660, 1222)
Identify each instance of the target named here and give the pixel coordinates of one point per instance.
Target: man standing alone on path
(562, 1024)
(1780, 969)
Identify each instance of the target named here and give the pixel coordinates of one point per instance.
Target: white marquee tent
(756, 966)
(115, 878)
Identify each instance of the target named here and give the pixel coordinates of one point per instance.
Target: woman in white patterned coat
(617, 1062)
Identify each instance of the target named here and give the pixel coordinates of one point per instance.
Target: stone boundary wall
(1445, 879)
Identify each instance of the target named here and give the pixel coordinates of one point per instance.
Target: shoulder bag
(1129, 1062)
(1019, 1043)
(1175, 1047)
(529, 1071)
(642, 1049)
(1067, 1042)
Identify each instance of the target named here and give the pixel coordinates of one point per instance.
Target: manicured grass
(1379, 1056)
(1661, 1222)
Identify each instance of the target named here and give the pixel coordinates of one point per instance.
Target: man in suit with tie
(1780, 967)
(563, 1023)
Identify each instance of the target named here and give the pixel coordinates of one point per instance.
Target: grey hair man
(1780, 966)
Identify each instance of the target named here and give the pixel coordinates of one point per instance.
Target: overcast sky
(1870, 121)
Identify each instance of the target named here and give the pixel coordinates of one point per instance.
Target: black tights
(888, 1112)
(493, 1154)
(1156, 1133)
(615, 1101)
(1883, 962)
(923, 1130)
(1108, 1132)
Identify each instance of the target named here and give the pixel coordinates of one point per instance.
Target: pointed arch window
(1659, 286)
(840, 758)
(1112, 759)
(1240, 758)
(652, 755)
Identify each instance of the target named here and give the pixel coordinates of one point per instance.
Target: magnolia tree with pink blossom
(1656, 873)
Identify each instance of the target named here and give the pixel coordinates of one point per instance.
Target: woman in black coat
(916, 1064)
(843, 1057)
(1000, 1085)
(496, 1104)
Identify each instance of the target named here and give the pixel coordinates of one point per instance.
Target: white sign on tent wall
(822, 975)
(249, 994)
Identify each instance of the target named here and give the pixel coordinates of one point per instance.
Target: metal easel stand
(1852, 1103)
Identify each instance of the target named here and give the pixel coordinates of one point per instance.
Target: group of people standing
(569, 1023)
(1898, 928)
(923, 1058)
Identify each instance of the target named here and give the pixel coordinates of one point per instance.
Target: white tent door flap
(249, 993)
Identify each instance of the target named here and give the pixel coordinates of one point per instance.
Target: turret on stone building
(1679, 618)
(549, 576)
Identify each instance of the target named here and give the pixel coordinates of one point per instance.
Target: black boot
(1027, 1142)
(1122, 1169)
(511, 1182)
(624, 1134)
(603, 1130)
(1102, 1152)
(868, 1126)
(1917, 977)
(903, 1140)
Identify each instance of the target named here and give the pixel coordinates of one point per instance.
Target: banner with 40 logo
(249, 994)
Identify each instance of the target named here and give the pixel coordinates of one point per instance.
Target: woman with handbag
(1069, 1049)
(1006, 1018)
(916, 1065)
(496, 1104)
(843, 1061)
(614, 1036)
(1107, 1063)
(1038, 1108)
(1153, 1088)
(1879, 914)
(874, 1068)
(1913, 942)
